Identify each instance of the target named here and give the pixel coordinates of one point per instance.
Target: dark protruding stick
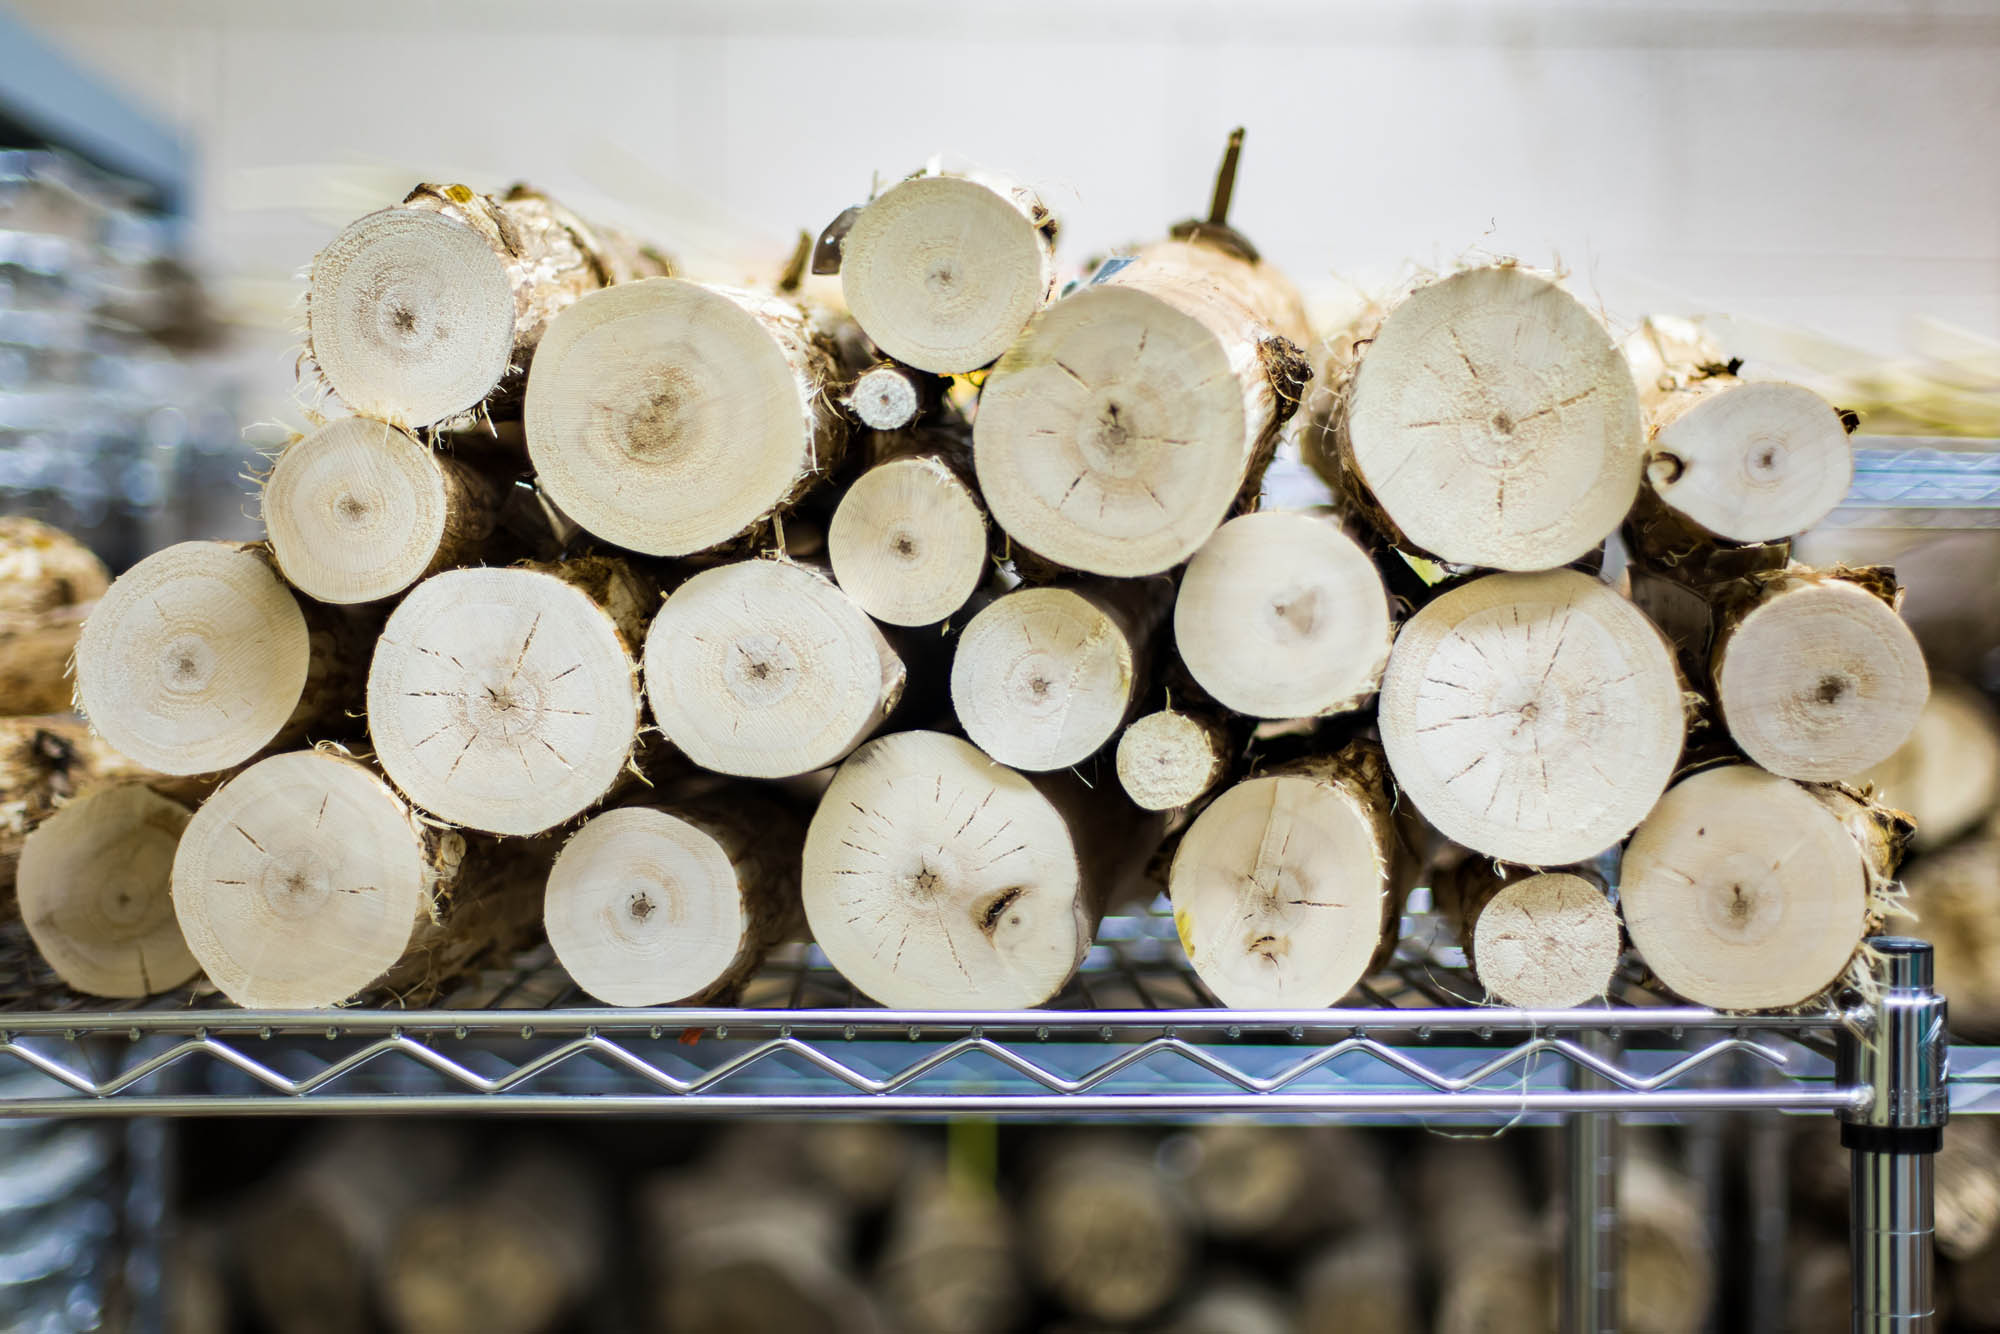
(1225, 180)
(795, 267)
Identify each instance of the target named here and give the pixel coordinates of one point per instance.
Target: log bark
(1283, 886)
(45, 762)
(508, 700)
(1043, 677)
(198, 658)
(42, 568)
(305, 880)
(94, 891)
(983, 896)
(739, 1253)
(908, 541)
(1536, 941)
(765, 669)
(1282, 615)
(1748, 461)
(423, 311)
(1746, 891)
(511, 1257)
(890, 396)
(1115, 462)
(49, 583)
(1816, 675)
(1503, 702)
(652, 904)
(673, 418)
(1365, 1283)
(1105, 1236)
(949, 1265)
(1167, 760)
(358, 511)
(1490, 421)
(943, 271)
(1947, 774)
(316, 1241)
(35, 653)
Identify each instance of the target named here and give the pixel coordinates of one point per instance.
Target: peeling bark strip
(1746, 891)
(93, 887)
(306, 880)
(507, 700)
(671, 417)
(419, 312)
(1537, 941)
(942, 271)
(1491, 421)
(1532, 717)
(199, 657)
(938, 879)
(1816, 674)
(649, 905)
(1282, 615)
(1283, 885)
(358, 511)
(1123, 425)
(765, 669)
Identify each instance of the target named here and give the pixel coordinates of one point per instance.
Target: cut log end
(301, 881)
(942, 272)
(1820, 679)
(885, 398)
(1280, 887)
(938, 879)
(1106, 460)
(1282, 615)
(1496, 422)
(195, 659)
(1503, 699)
(1105, 1235)
(502, 700)
(411, 316)
(1167, 760)
(94, 892)
(648, 906)
(1546, 942)
(1043, 678)
(908, 541)
(1744, 892)
(1750, 462)
(359, 511)
(1947, 774)
(670, 418)
(764, 669)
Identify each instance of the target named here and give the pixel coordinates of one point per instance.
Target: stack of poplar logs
(674, 619)
(871, 1228)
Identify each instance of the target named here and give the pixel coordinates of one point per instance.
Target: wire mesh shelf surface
(1135, 1036)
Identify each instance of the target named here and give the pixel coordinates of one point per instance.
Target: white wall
(1814, 163)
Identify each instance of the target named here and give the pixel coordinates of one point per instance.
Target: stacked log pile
(553, 630)
(771, 1229)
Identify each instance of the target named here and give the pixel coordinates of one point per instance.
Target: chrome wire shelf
(1134, 1037)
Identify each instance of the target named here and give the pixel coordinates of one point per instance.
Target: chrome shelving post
(1894, 1057)
(1590, 1240)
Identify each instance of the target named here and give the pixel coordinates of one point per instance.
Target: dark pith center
(641, 907)
(1503, 423)
(1831, 688)
(404, 319)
